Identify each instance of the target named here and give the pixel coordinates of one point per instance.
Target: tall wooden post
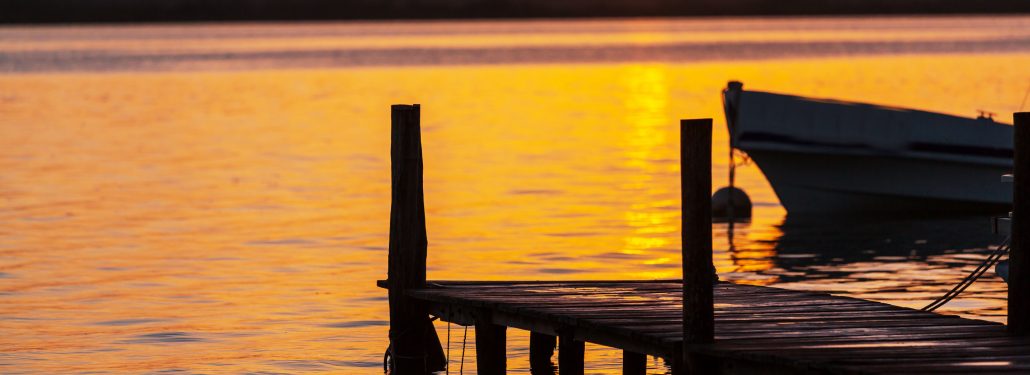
(408, 243)
(1019, 255)
(698, 271)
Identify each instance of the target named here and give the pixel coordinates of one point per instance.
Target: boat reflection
(906, 261)
(817, 242)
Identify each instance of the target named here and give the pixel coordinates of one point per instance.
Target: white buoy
(731, 204)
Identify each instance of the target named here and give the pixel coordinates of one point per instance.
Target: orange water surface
(164, 211)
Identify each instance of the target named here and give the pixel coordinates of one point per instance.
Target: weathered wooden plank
(961, 367)
(892, 352)
(561, 300)
(664, 312)
(660, 308)
(853, 335)
(854, 343)
(727, 298)
(588, 287)
(762, 317)
(738, 324)
(982, 358)
(785, 341)
(801, 309)
(575, 300)
(898, 325)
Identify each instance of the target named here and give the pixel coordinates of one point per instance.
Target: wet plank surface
(793, 330)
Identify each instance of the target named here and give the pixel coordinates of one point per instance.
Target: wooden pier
(757, 329)
(722, 327)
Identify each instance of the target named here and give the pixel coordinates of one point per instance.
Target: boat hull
(831, 156)
(823, 183)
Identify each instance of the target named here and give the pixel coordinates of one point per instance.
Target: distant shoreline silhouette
(116, 11)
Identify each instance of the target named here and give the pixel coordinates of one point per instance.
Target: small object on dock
(730, 204)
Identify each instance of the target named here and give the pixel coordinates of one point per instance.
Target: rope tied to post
(390, 356)
(991, 261)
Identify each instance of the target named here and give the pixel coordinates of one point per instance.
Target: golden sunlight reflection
(653, 221)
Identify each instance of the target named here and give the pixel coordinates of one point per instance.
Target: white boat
(831, 156)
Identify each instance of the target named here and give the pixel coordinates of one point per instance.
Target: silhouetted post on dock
(415, 348)
(698, 272)
(1019, 255)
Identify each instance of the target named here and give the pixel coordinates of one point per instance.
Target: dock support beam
(1019, 255)
(633, 363)
(698, 270)
(541, 349)
(491, 348)
(570, 356)
(411, 335)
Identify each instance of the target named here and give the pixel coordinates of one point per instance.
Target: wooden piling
(633, 363)
(698, 271)
(541, 349)
(491, 348)
(570, 356)
(1019, 255)
(409, 318)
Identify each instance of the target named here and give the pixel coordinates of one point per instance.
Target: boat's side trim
(961, 150)
(753, 136)
(920, 150)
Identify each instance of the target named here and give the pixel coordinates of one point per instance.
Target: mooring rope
(461, 366)
(389, 356)
(991, 260)
(447, 367)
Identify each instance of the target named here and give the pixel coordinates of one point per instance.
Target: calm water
(215, 198)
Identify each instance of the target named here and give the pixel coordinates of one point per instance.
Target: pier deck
(698, 326)
(757, 329)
